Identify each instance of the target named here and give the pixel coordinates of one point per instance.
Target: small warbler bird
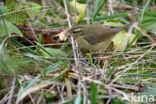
(94, 37)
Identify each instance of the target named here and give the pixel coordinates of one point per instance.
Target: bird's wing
(104, 33)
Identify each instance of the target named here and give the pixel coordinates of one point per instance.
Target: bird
(94, 37)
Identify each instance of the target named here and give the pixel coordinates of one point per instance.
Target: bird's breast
(82, 43)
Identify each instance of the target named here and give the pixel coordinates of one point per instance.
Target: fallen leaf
(80, 8)
(119, 40)
(62, 35)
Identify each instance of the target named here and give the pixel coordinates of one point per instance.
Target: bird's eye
(77, 31)
(74, 32)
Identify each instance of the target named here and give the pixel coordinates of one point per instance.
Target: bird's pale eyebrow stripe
(77, 30)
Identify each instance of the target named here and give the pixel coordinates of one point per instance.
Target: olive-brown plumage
(94, 37)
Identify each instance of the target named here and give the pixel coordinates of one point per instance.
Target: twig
(111, 11)
(11, 91)
(5, 39)
(72, 40)
(32, 30)
(129, 66)
(2, 101)
(130, 33)
(87, 12)
(31, 98)
(58, 89)
(39, 30)
(20, 10)
(145, 34)
(69, 90)
(126, 86)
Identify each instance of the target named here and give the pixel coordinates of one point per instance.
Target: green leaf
(98, 9)
(10, 28)
(22, 90)
(29, 50)
(34, 11)
(16, 13)
(100, 18)
(96, 2)
(54, 52)
(90, 59)
(77, 100)
(145, 7)
(93, 93)
(8, 2)
(3, 9)
(149, 20)
(128, 80)
(141, 75)
(52, 67)
(111, 70)
(44, 50)
(150, 91)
